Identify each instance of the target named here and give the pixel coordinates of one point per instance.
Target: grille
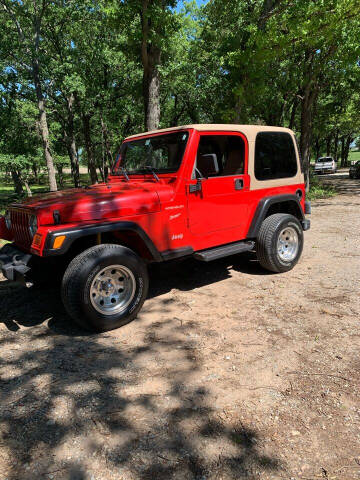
(20, 227)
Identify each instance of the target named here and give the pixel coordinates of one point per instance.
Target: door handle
(239, 184)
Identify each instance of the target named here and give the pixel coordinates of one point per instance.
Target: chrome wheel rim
(288, 244)
(112, 289)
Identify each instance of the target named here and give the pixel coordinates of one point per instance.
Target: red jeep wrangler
(206, 191)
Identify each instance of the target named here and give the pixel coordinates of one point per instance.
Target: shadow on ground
(33, 306)
(342, 183)
(82, 406)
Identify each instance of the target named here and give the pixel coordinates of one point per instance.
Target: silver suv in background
(325, 165)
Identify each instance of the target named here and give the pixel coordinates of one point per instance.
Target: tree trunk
(19, 183)
(44, 130)
(61, 175)
(71, 142)
(102, 171)
(89, 148)
(336, 145)
(293, 113)
(150, 57)
(107, 156)
(317, 147)
(33, 54)
(18, 187)
(348, 141)
(307, 105)
(151, 89)
(328, 146)
(35, 172)
(28, 190)
(74, 161)
(342, 163)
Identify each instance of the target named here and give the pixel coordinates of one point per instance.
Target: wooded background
(77, 77)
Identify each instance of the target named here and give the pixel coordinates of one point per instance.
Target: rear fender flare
(264, 206)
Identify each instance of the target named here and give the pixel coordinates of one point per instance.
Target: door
(217, 192)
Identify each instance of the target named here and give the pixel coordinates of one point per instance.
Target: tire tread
(69, 293)
(264, 241)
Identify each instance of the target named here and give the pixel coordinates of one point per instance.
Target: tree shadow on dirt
(189, 274)
(342, 184)
(80, 406)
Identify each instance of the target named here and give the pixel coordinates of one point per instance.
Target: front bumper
(325, 170)
(14, 263)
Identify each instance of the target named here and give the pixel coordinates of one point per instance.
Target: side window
(220, 155)
(274, 156)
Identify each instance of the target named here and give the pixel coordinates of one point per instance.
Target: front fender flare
(73, 234)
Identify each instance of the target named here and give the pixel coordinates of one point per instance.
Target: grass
(319, 190)
(354, 156)
(7, 194)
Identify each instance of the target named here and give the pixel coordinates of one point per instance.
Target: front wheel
(104, 287)
(280, 242)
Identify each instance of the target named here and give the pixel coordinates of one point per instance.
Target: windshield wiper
(124, 172)
(152, 170)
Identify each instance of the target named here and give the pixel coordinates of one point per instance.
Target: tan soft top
(249, 131)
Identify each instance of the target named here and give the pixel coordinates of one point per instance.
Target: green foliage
(319, 190)
(354, 156)
(18, 162)
(235, 61)
(7, 194)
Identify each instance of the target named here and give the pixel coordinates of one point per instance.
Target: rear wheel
(104, 287)
(280, 242)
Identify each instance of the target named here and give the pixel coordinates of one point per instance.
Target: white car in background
(325, 165)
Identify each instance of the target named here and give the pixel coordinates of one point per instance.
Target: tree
(97, 70)
(277, 57)
(19, 137)
(150, 24)
(26, 21)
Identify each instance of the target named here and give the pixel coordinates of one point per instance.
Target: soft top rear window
(275, 156)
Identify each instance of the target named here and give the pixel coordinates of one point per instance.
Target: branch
(20, 62)
(12, 15)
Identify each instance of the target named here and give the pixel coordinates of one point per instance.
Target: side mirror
(196, 187)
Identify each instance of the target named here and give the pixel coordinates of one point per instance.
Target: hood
(98, 202)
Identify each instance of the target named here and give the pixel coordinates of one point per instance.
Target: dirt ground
(228, 373)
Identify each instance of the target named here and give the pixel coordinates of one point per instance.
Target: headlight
(8, 220)
(33, 225)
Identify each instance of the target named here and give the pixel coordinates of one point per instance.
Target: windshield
(324, 159)
(163, 153)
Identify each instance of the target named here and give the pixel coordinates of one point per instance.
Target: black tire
(80, 274)
(267, 242)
